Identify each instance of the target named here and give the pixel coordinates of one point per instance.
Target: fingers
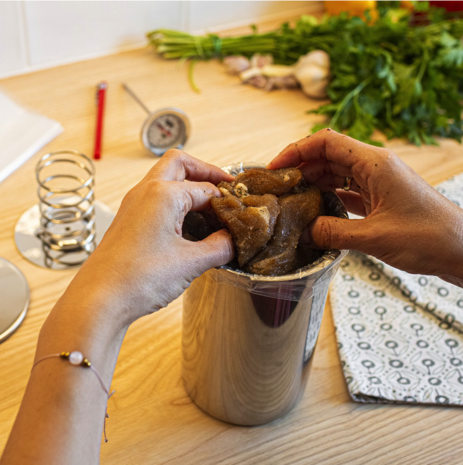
(328, 232)
(314, 170)
(330, 182)
(177, 165)
(325, 144)
(216, 250)
(353, 202)
(196, 195)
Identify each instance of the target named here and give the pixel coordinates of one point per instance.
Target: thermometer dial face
(165, 129)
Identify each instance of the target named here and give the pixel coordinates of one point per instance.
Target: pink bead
(76, 358)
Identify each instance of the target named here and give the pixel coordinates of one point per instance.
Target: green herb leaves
(402, 80)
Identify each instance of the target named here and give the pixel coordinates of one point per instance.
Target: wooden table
(152, 418)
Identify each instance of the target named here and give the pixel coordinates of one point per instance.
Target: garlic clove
(259, 61)
(236, 64)
(250, 73)
(259, 81)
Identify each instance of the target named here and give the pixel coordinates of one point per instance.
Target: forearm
(63, 409)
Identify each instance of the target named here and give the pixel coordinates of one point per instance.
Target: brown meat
(250, 220)
(306, 255)
(279, 257)
(260, 181)
(198, 225)
(195, 227)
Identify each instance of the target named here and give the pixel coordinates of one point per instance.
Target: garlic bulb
(313, 73)
(259, 61)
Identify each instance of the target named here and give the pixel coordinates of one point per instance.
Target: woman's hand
(143, 263)
(408, 224)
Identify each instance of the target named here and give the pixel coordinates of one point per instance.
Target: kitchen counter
(152, 420)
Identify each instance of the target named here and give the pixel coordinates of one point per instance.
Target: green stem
(347, 99)
(191, 80)
(423, 66)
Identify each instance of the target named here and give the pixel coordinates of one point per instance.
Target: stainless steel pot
(248, 340)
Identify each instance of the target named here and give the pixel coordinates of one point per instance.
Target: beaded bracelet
(77, 359)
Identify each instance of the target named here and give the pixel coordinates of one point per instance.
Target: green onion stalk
(180, 45)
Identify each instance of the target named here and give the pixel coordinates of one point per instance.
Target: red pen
(100, 100)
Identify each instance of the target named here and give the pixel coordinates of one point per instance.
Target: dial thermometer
(164, 129)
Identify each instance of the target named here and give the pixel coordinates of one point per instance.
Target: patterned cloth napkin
(400, 336)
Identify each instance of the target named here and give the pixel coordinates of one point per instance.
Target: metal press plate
(32, 248)
(15, 298)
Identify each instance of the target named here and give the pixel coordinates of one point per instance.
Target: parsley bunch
(406, 81)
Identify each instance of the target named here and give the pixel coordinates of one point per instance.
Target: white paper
(22, 134)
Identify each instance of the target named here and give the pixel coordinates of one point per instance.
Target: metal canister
(248, 340)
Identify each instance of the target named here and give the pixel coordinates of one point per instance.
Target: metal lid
(15, 298)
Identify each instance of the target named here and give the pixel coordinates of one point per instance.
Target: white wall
(36, 35)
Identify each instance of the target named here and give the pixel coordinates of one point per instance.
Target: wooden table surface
(153, 421)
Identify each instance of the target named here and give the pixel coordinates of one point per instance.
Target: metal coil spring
(66, 202)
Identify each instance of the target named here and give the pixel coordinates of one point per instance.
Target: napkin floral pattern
(400, 336)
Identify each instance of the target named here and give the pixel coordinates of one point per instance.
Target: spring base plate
(29, 244)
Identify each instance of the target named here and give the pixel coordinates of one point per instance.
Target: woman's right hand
(407, 224)
(143, 263)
